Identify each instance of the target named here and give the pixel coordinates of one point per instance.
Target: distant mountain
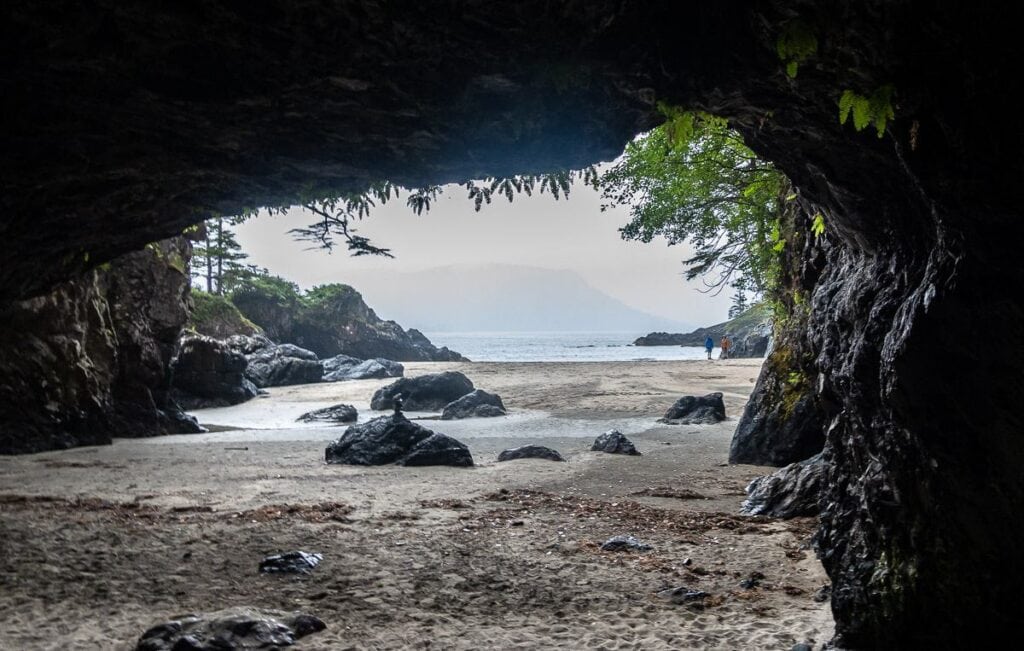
(500, 298)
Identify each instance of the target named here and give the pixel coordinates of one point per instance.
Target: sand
(100, 543)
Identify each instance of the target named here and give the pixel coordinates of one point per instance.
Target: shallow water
(559, 347)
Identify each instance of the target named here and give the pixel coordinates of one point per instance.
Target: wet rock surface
(614, 442)
(423, 393)
(274, 365)
(297, 562)
(790, 492)
(625, 544)
(340, 413)
(696, 410)
(208, 373)
(530, 452)
(395, 439)
(236, 629)
(476, 404)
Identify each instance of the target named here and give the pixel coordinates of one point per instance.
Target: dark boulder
(693, 410)
(530, 452)
(423, 393)
(395, 439)
(614, 442)
(340, 413)
(789, 492)
(297, 562)
(370, 369)
(477, 404)
(283, 365)
(339, 364)
(207, 373)
(235, 629)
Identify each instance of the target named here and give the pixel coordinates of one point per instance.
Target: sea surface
(558, 347)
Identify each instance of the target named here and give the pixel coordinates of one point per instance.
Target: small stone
(682, 595)
(297, 562)
(625, 543)
(752, 581)
(614, 442)
(530, 452)
(687, 561)
(340, 413)
(824, 593)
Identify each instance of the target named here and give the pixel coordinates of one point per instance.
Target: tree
(694, 180)
(217, 258)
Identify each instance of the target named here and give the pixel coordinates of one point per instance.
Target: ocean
(558, 347)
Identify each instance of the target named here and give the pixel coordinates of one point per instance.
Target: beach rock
(823, 594)
(208, 373)
(234, 629)
(665, 339)
(683, 595)
(395, 439)
(371, 369)
(340, 413)
(277, 365)
(530, 452)
(692, 410)
(625, 544)
(790, 492)
(477, 404)
(614, 442)
(752, 580)
(297, 562)
(339, 364)
(423, 393)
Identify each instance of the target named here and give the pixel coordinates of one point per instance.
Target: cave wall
(90, 360)
(125, 123)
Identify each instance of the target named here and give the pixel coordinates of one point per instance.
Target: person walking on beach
(709, 345)
(725, 346)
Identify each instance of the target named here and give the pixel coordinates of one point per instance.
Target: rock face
(530, 452)
(209, 373)
(477, 404)
(423, 393)
(921, 530)
(90, 360)
(395, 439)
(750, 333)
(235, 629)
(340, 413)
(696, 410)
(790, 492)
(343, 367)
(614, 442)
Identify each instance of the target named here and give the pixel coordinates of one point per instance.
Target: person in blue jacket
(709, 345)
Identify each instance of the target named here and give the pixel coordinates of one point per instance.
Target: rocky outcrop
(275, 365)
(530, 452)
(336, 414)
(343, 367)
(750, 333)
(477, 404)
(430, 392)
(209, 373)
(696, 410)
(216, 316)
(790, 492)
(90, 360)
(614, 442)
(395, 439)
(232, 629)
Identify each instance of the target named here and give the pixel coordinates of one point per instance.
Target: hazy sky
(534, 231)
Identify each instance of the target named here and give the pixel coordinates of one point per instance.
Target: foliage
(694, 180)
(263, 285)
(739, 304)
(217, 258)
(875, 109)
(795, 44)
(217, 316)
(818, 225)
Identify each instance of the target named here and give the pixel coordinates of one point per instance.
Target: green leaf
(818, 225)
(846, 105)
(791, 69)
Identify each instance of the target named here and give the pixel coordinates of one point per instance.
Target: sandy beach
(98, 544)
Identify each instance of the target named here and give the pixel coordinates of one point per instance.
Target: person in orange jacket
(725, 345)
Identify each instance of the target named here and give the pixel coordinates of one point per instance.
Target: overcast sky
(535, 231)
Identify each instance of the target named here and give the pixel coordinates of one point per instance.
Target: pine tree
(217, 258)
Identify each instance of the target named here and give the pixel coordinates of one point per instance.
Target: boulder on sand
(423, 393)
(789, 492)
(530, 452)
(340, 413)
(278, 365)
(477, 404)
(614, 442)
(370, 369)
(693, 410)
(208, 373)
(235, 628)
(396, 439)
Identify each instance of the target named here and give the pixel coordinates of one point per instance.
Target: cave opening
(125, 125)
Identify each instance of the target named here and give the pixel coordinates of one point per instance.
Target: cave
(126, 123)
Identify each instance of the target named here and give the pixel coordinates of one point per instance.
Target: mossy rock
(216, 316)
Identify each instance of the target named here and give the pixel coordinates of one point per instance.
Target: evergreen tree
(216, 259)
